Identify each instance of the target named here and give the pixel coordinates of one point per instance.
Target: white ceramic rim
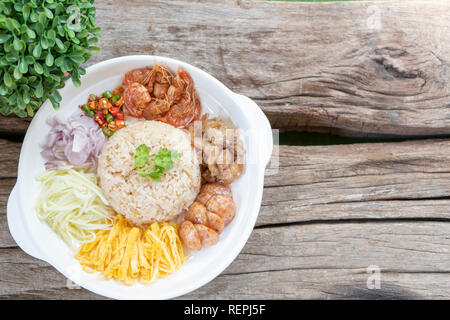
(255, 114)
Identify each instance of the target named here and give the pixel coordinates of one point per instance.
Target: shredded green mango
(73, 205)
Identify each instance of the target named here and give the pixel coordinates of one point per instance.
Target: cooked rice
(142, 200)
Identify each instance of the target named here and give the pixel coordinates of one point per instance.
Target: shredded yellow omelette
(130, 253)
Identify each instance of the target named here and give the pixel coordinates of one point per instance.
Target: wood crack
(347, 221)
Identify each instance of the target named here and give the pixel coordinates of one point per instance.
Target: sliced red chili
(100, 118)
(114, 111)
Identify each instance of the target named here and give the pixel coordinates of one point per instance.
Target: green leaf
(9, 25)
(56, 21)
(82, 71)
(57, 96)
(38, 68)
(34, 16)
(3, 91)
(59, 44)
(77, 52)
(44, 43)
(71, 33)
(66, 65)
(92, 41)
(82, 34)
(11, 58)
(48, 13)
(46, 72)
(140, 158)
(161, 162)
(86, 5)
(31, 34)
(7, 79)
(30, 111)
(26, 12)
(39, 90)
(15, 23)
(42, 18)
(18, 7)
(39, 28)
(13, 98)
(59, 61)
(7, 9)
(77, 59)
(8, 47)
(32, 79)
(17, 43)
(51, 43)
(5, 110)
(4, 37)
(20, 113)
(17, 73)
(26, 94)
(51, 34)
(29, 60)
(20, 102)
(55, 99)
(76, 82)
(60, 31)
(23, 66)
(75, 40)
(37, 51)
(94, 48)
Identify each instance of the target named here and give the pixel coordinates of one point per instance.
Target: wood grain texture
(354, 68)
(291, 284)
(358, 181)
(327, 214)
(9, 158)
(376, 69)
(296, 261)
(13, 127)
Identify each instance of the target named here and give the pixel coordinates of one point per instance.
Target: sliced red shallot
(72, 143)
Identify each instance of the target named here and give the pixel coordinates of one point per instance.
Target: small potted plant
(43, 41)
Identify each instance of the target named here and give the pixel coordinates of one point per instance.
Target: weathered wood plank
(318, 260)
(384, 69)
(423, 246)
(292, 284)
(13, 126)
(360, 181)
(379, 180)
(297, 261)
(298, 211)
(6, 185)
(9, 158)
(6, 239)
(323, 284)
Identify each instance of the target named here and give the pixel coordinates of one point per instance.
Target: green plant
(42, 40)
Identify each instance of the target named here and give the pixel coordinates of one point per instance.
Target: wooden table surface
(360, 69)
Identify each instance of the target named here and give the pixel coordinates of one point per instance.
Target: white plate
(38, 240)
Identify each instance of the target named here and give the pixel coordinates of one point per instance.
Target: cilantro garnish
(155, 167)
